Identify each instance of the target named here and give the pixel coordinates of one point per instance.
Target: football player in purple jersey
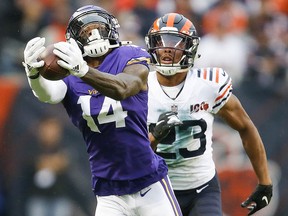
(106, 98)
(196, 95)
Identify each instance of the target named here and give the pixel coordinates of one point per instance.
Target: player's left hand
(71, 57)
(166, 121)
(258, 199)
(32, 51)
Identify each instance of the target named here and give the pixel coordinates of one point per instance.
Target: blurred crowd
(248, 38)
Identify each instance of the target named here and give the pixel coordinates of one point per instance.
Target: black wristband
(35, 76)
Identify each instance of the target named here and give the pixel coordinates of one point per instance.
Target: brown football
(51, 70)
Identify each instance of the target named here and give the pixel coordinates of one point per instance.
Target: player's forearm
(117, 87)
(153, 141)
(48, 91)
(255, 150)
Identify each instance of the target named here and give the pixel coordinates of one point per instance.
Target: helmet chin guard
(169, 71)
(97, 48)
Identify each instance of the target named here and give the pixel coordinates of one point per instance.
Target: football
(51, 70)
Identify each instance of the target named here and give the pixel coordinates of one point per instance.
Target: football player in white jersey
(194, 95)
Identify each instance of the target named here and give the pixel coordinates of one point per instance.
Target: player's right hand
(32, 52)
(166, 122)
(71, 57)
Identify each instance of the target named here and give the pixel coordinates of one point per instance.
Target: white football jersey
(187, 149)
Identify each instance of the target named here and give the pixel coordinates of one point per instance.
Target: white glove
(32, 52)
(71, 57)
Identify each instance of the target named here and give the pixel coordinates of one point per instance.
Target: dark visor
(86, 19)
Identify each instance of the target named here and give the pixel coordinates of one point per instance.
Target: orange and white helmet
(172, 31)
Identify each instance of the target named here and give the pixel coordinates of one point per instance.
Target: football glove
(71, 57)
(32, 52)
(258, 199)
(166, 122)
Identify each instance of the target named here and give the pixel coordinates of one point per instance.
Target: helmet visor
(86, 19)
(168, 40)
(89, 18)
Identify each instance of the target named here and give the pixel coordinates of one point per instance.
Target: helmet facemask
(179, 51)
(94, 30)
(95, 40)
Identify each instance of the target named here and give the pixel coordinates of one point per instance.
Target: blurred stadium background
(248, 38)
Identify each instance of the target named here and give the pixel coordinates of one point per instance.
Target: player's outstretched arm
(235, 115)
(128, 83)
(44, 90)
(125, 84)
(47, 91)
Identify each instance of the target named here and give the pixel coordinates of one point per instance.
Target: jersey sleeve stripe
(205, 73)
(224, 93)
(217, 75)
(211, 74)
(137, 60)
(228, 80)
(199, 73)
(224, 99)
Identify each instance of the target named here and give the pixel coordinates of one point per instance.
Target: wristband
(35, 76)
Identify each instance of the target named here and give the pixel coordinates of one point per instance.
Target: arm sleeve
(48, 91)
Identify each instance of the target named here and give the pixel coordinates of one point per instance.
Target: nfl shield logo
(174, 108)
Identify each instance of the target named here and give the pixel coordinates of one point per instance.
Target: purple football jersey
(115, 132)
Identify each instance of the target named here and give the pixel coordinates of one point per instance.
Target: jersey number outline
(184, 152)
(118, 116)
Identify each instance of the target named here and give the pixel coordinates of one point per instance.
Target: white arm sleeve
(48, 91)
